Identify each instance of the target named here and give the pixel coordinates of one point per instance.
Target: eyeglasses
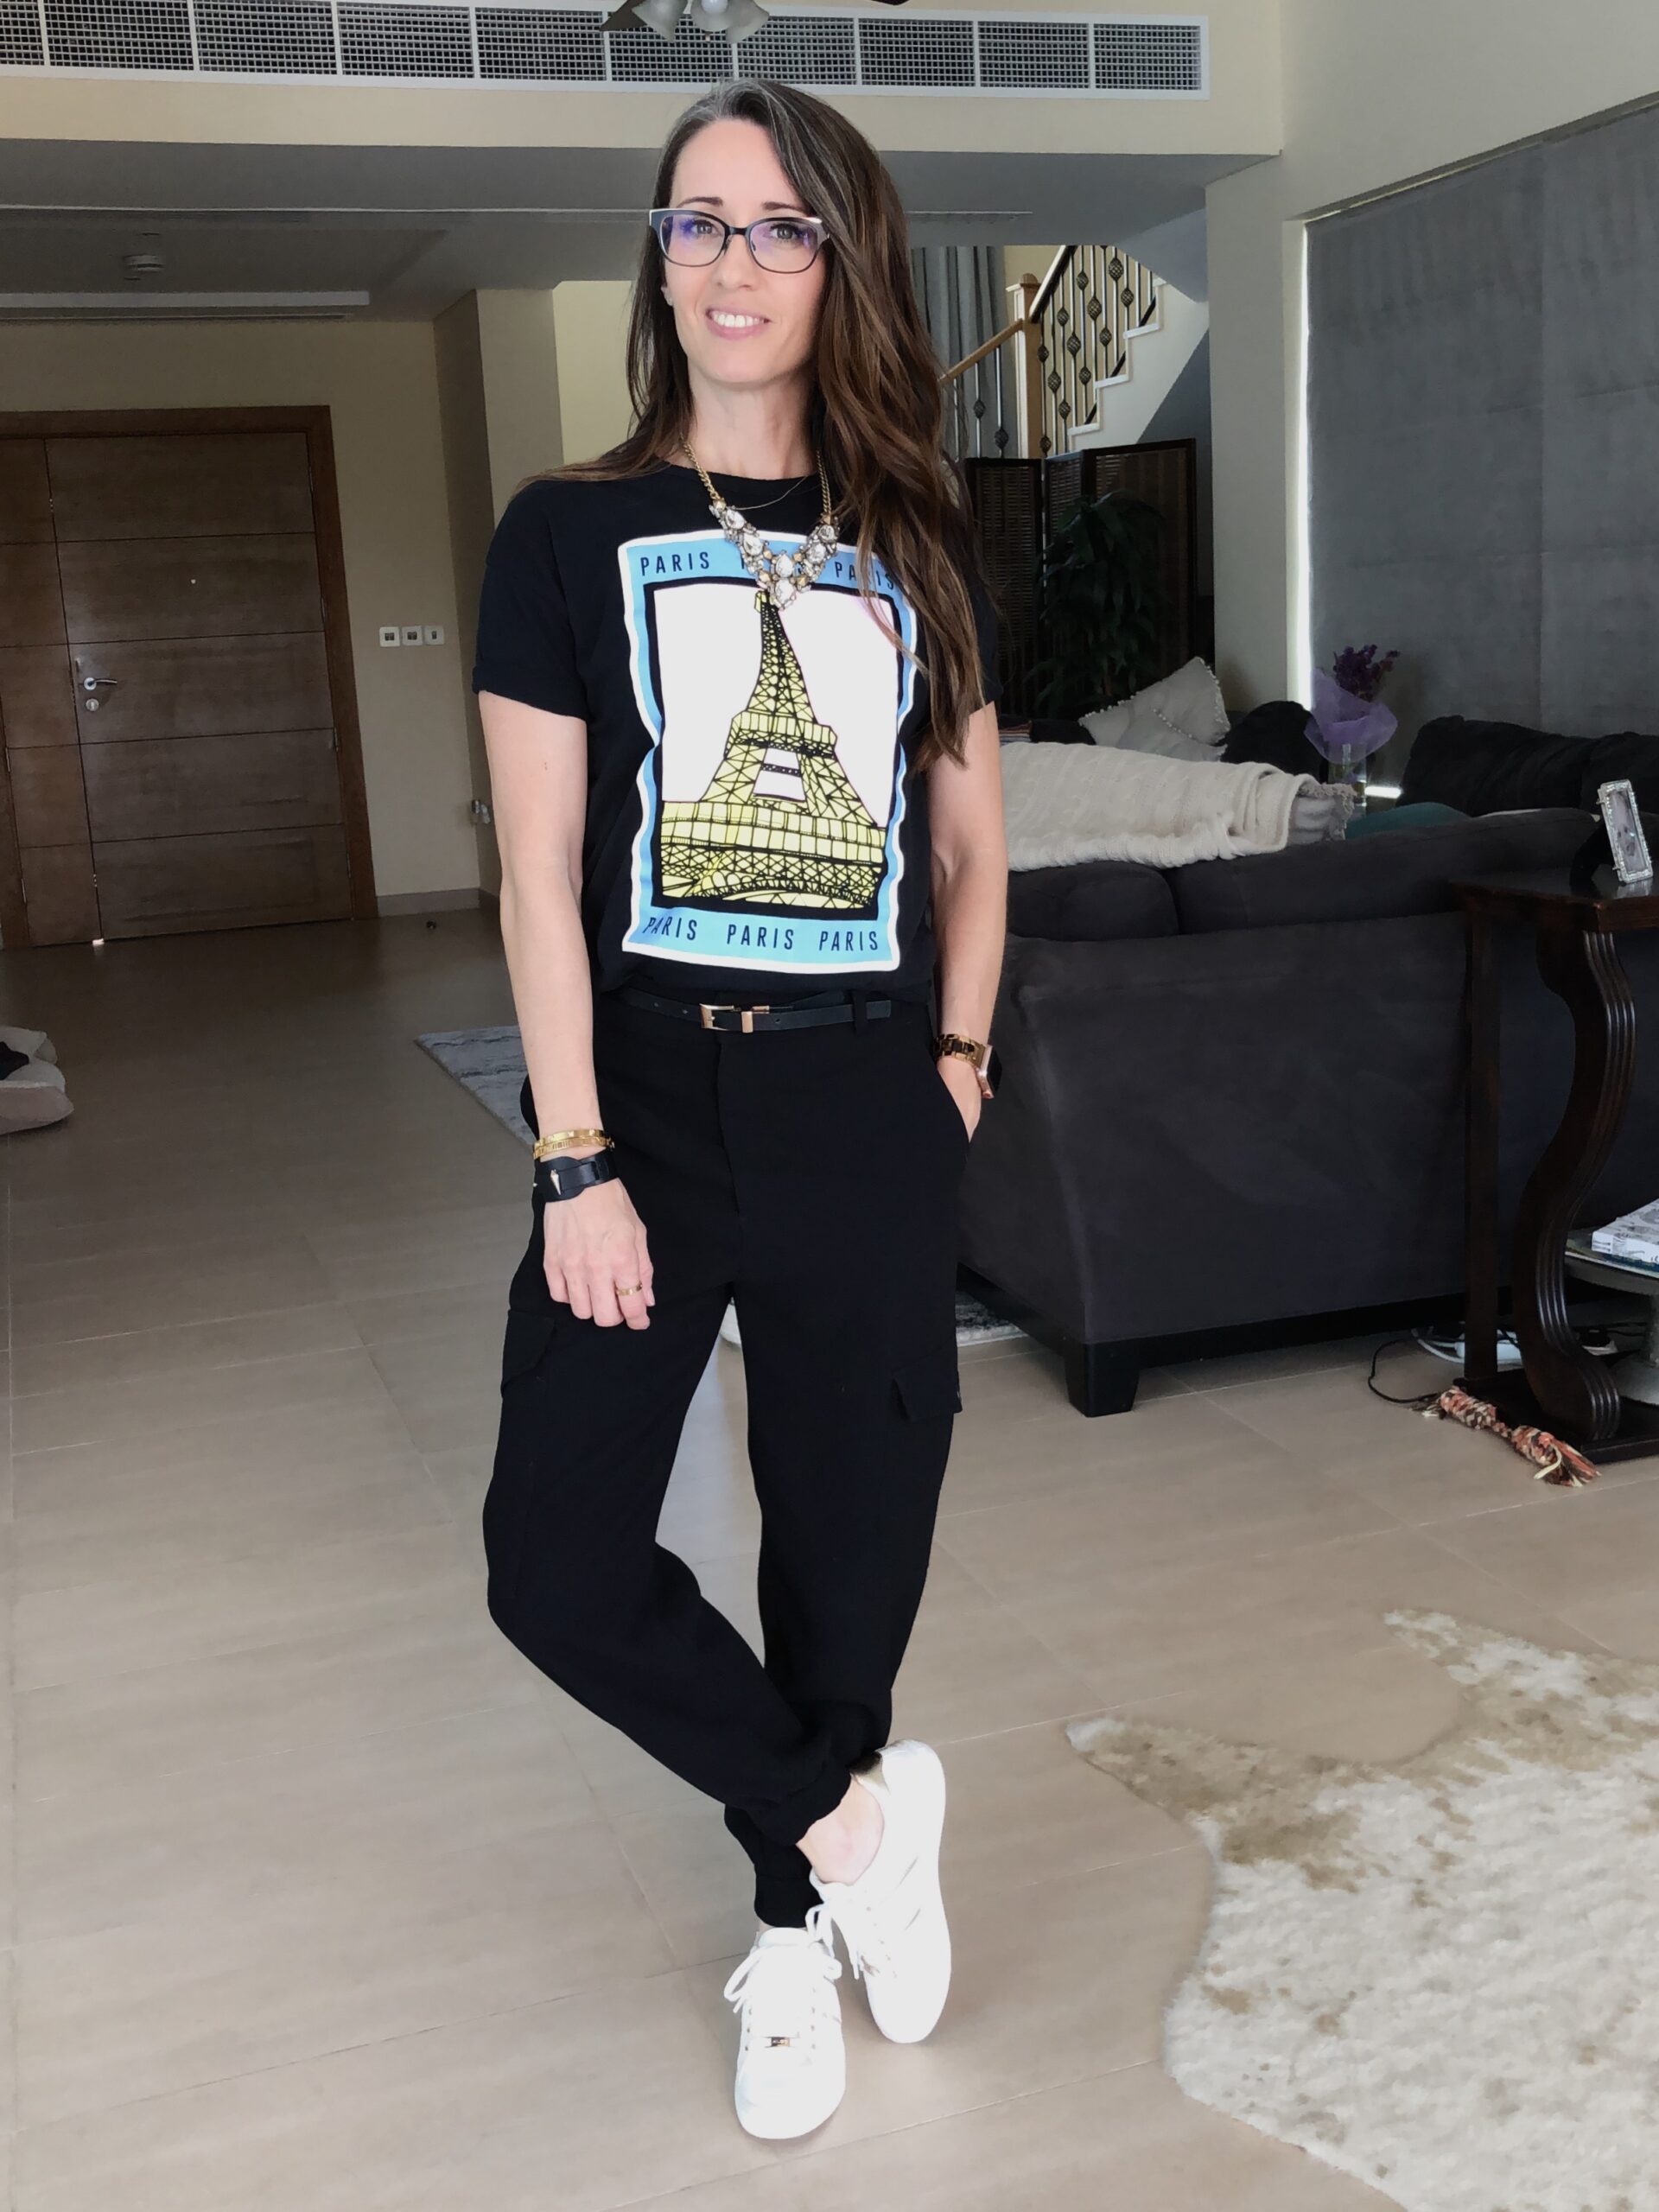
(785, 243)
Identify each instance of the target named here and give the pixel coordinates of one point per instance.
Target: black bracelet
(564, 1176)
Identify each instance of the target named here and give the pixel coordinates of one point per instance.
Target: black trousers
(812, 1175)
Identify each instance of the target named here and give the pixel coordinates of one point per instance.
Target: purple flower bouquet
(1346, 729)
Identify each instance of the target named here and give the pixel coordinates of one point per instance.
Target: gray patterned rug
(490, 1063)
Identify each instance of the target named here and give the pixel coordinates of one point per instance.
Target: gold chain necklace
(781, 575)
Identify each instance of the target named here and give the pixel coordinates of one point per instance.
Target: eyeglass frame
(816, 224)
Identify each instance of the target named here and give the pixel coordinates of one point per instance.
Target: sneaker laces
(868, 1923)
(778, 1991)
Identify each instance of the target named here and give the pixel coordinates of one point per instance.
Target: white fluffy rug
(1442, 1976)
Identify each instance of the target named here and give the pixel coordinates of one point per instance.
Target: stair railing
(1022, 393)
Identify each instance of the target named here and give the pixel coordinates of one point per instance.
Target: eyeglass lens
(783, 243)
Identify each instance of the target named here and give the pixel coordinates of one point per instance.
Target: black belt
(814, 1013)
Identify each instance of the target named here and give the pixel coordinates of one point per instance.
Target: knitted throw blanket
(1069, 803)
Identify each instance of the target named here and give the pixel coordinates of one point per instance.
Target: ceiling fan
(733, 19)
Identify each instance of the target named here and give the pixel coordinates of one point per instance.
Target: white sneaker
(892, 1918)
(792, 2066)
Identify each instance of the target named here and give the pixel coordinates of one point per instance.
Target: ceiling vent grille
(690, 57)
(1024, 57)
(802, 50)
(119, 34)
(380, 38)
(258, 38)
(541, 45)
(499, 41)
(1166, 57)
(21, 44)
(921, 50)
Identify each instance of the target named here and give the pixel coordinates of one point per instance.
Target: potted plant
(1100, 597)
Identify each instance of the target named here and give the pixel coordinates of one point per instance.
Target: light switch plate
(411, 633)
(391, 634)
(434, 633)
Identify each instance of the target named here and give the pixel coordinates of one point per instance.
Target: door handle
(98, 682)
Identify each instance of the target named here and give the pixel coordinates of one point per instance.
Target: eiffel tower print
(780, 822)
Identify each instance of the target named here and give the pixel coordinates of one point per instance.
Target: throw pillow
(1181, 717)
(1276, 733)
(1493, 767)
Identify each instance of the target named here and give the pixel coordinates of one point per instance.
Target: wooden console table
(1565, 1387)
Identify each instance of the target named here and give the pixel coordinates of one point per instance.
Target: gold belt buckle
(745, 1016)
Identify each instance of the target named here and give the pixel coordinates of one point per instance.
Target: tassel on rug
(1554, 1462)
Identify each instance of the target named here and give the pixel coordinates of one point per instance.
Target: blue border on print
(707, 556)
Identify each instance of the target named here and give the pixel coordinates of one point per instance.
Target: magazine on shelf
(1580, 1247)
(1633, 1237)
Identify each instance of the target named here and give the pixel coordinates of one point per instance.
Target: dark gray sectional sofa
(1232, 1093)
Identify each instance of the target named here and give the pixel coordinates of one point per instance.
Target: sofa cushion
(1422, 814)
(1491, 767)
(1371, 879)
(1093, 900)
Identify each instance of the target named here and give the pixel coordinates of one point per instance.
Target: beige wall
(519, 356)
(1376, 93)
(472, 518)
(592, 322)
(378, 380)
(499, 401)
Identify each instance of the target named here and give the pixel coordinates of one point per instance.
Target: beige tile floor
(322, 1901)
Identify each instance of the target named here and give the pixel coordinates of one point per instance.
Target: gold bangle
(544, 1147)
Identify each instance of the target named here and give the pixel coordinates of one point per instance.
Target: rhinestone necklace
(782, 576)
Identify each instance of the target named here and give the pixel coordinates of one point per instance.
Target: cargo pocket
(927, 1387)
(529, 1332)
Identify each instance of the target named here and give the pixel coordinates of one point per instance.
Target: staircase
(1086, 360)
(1127, 400)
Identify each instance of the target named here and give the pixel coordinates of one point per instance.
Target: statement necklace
(781, 575)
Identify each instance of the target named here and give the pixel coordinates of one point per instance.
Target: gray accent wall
(1484, 435)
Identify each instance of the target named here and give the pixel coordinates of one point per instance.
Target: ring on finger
(626, 1289)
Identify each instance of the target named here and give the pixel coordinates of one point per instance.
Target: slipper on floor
(32, 1097)
(34, 1044)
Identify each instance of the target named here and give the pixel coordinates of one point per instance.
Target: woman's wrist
(971, 1052)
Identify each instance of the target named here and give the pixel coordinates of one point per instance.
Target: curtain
(1484, 435)
(960, 288)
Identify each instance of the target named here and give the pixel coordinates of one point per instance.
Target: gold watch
(953, 1046)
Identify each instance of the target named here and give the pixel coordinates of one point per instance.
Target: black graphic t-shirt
(754, 826)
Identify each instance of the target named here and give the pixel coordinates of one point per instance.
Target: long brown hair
(875, 415)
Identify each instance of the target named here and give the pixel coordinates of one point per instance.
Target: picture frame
(1632, 862)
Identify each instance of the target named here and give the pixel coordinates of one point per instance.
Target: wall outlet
(411, 633)
(391, 634)
(434, 633)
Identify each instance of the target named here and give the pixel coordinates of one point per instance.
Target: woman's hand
(595, 1256)
(962, 1083)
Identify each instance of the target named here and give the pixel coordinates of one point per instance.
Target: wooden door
(169, 683)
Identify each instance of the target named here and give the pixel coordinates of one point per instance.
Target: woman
(733, 682)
